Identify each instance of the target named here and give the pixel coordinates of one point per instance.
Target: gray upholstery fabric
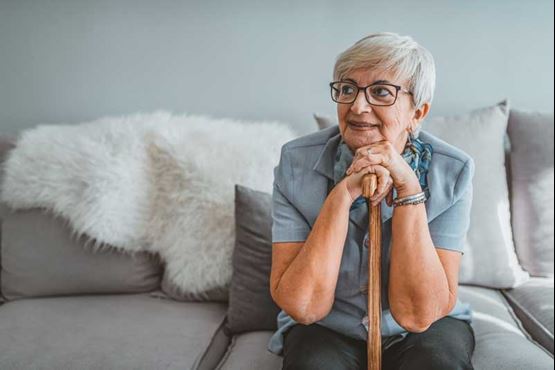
(6, 144)
(105, 332)
(217, 294)
(209, 358)
(251, 306)
(247, 351)
(40, 257)
(500, 342)
(533, 304)
(531, 163)
(324, 121)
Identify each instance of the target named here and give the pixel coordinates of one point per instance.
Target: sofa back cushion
(531, 164)
(6, 144)
(41, 257)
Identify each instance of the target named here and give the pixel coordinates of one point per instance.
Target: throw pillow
(531, 163)
(251, 306)
(324, 121)
(490, 259)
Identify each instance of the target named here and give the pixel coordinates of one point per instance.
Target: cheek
(342, 110)
(394, 123)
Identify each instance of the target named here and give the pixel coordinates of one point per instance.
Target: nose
(360, 105)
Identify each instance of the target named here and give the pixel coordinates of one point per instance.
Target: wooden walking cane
(374, 346)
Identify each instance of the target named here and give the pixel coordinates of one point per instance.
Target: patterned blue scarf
(416, 153)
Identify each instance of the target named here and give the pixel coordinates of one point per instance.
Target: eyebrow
(375, 82)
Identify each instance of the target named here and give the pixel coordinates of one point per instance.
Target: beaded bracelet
(410, 199)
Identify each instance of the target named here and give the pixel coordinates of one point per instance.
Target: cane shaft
(369, 185)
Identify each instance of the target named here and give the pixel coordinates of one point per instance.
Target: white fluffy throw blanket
(156, 182)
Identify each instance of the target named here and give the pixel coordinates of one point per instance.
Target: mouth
(358, 125)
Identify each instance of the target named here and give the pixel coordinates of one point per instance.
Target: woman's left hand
(383, 153)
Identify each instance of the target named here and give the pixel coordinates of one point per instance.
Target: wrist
(342, 194)
(410, 188)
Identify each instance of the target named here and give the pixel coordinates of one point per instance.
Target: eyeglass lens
(345, 92)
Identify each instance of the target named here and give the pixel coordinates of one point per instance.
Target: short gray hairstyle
(390, 51)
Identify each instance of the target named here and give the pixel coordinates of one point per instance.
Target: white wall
(71, 61)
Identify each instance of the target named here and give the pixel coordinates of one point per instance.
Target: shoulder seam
(458, 178)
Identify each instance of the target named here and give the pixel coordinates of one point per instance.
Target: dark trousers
(448, 344)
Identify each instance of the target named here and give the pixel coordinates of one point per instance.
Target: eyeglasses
(377, 94)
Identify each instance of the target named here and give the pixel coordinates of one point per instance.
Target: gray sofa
(58, 312)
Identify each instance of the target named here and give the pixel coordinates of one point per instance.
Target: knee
(303, 363)
(312, 361)
(429, 358)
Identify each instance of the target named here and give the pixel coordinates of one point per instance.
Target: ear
(420, 114)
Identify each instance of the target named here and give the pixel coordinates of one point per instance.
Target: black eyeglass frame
(359, 88)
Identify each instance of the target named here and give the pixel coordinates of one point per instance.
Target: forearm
(418, 285)
(310, 280)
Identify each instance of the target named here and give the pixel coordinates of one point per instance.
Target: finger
(358, 165)
(388, 186)
(380, 198)
(375, 159)
(389, 199)
(383, 178)
(379, 158)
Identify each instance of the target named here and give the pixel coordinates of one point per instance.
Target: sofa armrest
(533, 304)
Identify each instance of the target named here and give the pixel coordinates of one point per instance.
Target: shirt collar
(325, 162)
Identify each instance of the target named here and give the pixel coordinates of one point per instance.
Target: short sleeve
(449, 229)
(288, 224)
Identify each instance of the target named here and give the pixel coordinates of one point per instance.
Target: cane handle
(369, 185)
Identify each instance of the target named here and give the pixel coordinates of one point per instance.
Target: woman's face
(363, 124)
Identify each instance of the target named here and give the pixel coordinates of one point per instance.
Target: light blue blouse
(301, 184)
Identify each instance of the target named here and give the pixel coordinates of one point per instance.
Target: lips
(359, 124)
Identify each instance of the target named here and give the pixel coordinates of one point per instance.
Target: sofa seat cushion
(533, 304)
(247, 351)
(128, 331)
(501, 343)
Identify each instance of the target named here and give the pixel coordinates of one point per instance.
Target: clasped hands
(390, 167)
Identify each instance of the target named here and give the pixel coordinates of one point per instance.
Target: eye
(381, 91)
(347, 89)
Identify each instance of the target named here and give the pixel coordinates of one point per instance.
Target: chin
(358, 140)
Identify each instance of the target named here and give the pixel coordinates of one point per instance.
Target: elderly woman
(383, 86)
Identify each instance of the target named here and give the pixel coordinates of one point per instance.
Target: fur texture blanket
(149, 182)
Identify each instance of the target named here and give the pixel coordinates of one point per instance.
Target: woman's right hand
(353, 184)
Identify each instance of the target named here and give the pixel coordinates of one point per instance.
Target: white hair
(400, 54)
